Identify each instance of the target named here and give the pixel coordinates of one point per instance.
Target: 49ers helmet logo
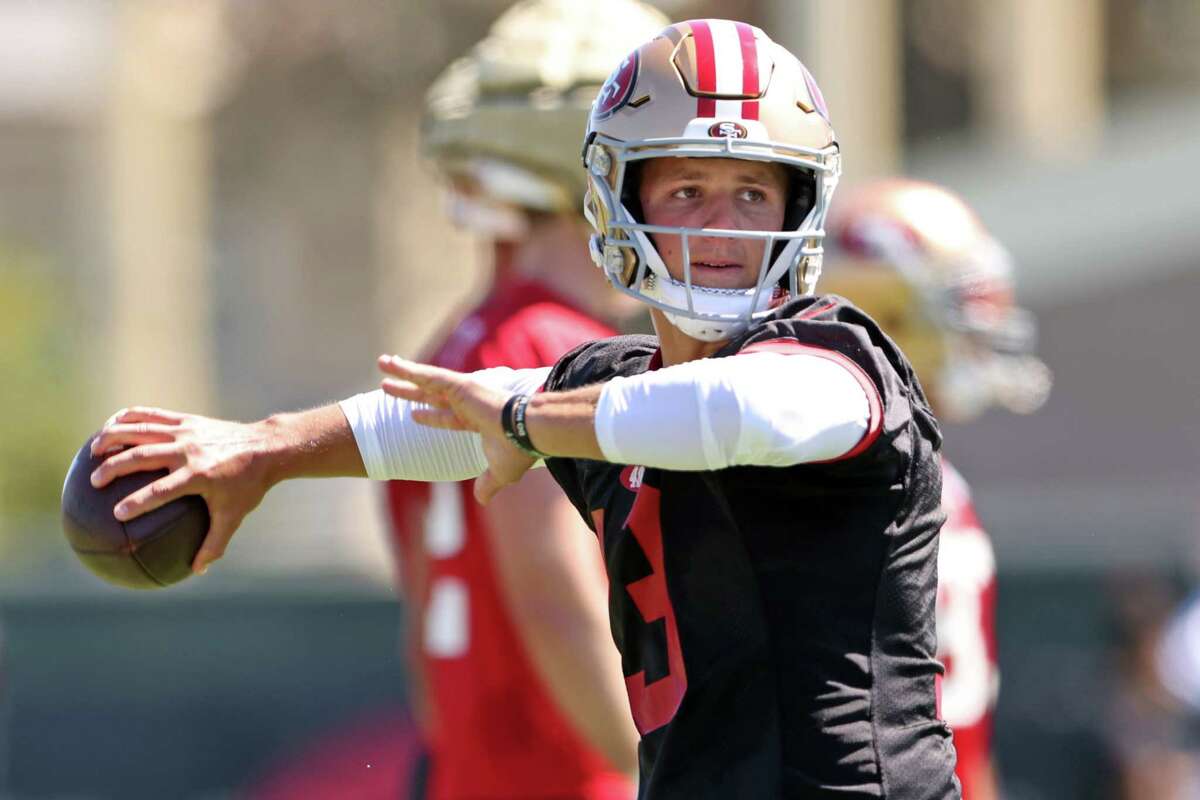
(616, 91)
(728, 130)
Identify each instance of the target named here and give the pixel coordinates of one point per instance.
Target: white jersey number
(966, 566)
(447, 616)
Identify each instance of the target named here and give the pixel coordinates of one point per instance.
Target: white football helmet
(502, 123)
(709, 89)
(916, 258)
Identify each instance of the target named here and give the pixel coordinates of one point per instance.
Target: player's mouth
(715, 265)
(718, 273)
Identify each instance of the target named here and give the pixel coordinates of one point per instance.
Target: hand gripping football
(148, 552)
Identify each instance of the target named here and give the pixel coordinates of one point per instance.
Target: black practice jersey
(776, 625)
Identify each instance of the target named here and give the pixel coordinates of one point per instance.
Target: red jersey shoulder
(538, 335)
(458, 349)
(518, 326)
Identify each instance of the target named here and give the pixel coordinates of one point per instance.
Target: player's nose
(720, 212)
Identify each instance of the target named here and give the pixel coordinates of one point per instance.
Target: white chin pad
(733, 304)
(706, 331)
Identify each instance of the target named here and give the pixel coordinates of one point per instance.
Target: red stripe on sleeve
(818, 308)
(874, 402)
(706, 68)
(749, 69)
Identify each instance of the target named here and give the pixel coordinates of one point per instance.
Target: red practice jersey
(496, 731)
(966, 606)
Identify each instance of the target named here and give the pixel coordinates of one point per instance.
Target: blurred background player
(518, 685)
(917, 259)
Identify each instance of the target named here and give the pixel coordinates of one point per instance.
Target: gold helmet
(502, 124)
(916, 258)
(709, 89)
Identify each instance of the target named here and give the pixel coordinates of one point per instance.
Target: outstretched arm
(763, 408)
(232, 465)
(766, 409)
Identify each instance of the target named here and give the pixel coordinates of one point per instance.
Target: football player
(916, 258)
(508, 627)
(762, 475)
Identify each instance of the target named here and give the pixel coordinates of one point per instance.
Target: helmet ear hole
(631, 199)
(631, 196)
(802, 196)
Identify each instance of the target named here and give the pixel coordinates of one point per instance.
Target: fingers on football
(138, 459)
(145, 414)
(153, 495)
(118, 435)
(220, 530)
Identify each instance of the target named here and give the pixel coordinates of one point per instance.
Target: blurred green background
(38, 399)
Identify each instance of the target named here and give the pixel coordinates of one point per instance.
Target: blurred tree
(38, 421)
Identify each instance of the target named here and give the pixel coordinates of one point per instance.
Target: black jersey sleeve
(602, 360)
(590, 363)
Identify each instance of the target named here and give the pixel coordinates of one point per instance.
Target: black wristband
(512, 420)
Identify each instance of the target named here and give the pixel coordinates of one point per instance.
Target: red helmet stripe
(706, 68)
(749, 69)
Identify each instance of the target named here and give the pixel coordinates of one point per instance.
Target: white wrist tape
(394, 446)
(763, 408)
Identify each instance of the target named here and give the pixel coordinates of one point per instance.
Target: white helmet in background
(709, 89)
(917, 259)
(502, 124)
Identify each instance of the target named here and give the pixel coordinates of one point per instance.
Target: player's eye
(686, 193)
(752, 196)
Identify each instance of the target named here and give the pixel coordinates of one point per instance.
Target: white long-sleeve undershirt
(762, 408)
(394, 446)
(765, 408)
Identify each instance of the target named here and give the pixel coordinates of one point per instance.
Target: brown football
(148, 552)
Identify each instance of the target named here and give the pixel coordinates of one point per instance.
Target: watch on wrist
(512, 421)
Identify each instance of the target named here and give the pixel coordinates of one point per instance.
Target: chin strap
(705, 300)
